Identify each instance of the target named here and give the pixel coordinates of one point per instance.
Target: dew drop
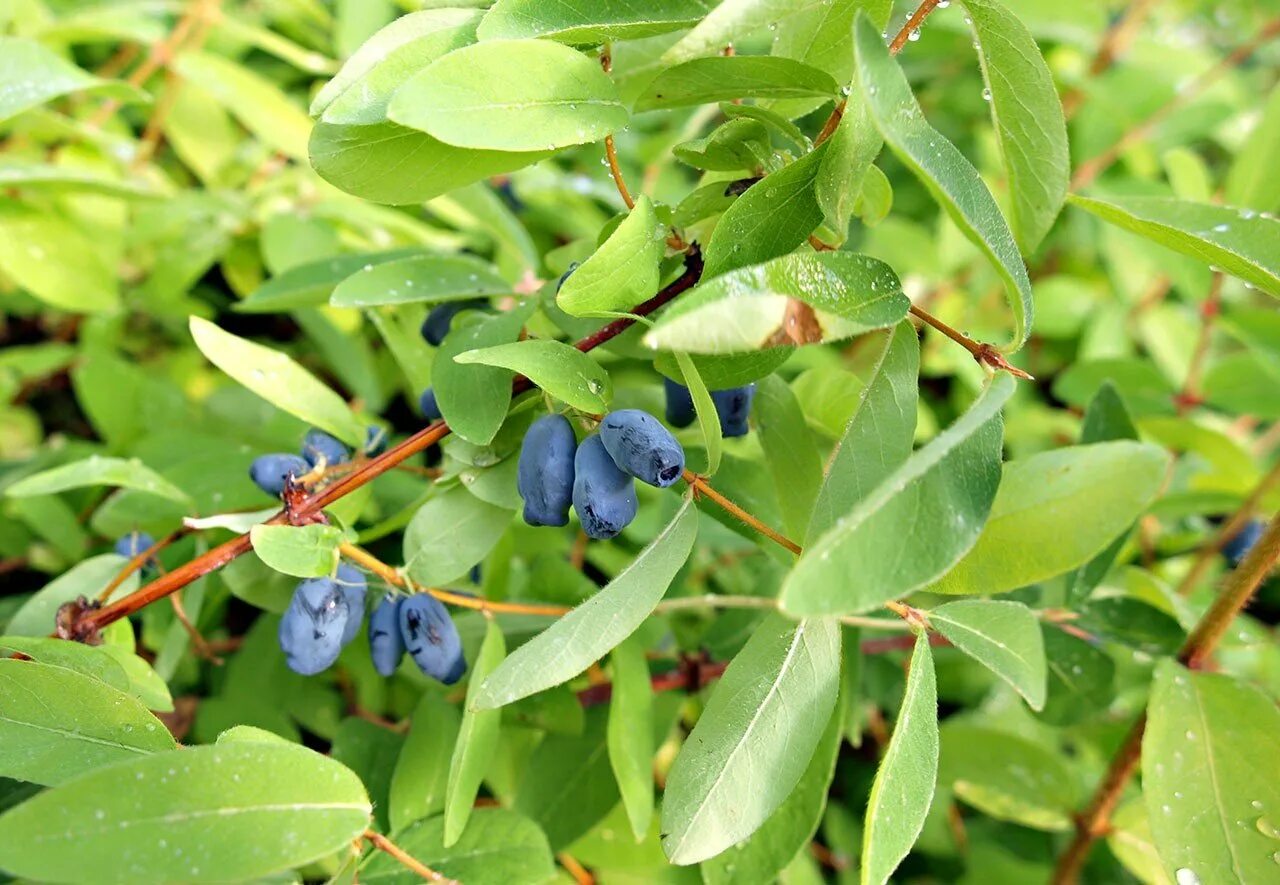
(1186, 876)
(986, 94)
(1267, 828)
(914, 35)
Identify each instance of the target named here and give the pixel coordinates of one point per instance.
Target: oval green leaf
(584, 22)
(308, 551)
(429, 278)
(477, 739)
(560, 369)
(451, 533)
(722, 78)
(96, 470)
(1001, 635)
(498, 845)
(623, 272)
(474, 399)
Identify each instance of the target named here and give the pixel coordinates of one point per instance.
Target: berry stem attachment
(382, 843)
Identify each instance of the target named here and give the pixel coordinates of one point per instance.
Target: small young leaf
(852, 149)
(784, 682)
(591, 630)
(1008, 777)
(477, 739)
(427, 278)
(623, 272)
(277, 379)
(474, 399)
(1081, 678)
(98, 471)
(1251, 181)
(1003, 636)
(630, 734)
(511, 95)
(309, 551)
(1211, 776)
(933, 506)
(721, 78)
(908, 773)
(251, 98)
(940, 166)
(560, 369)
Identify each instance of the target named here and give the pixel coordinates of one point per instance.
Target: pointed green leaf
(1211, 776)
(847, 166)
(498, 845)
(589, 21)
(783, 682)
(308, 551)
(790, 452)
(1003, 636)
(705, 408)
(422, 769)
(591, 630)
(82, 278)
(748, 308)
(560, 369)
(1030, 128)
(451, 533)
(728, 21)
(623, 272)
(98, 471)
(1055, 511)
(477, 739)
(311, 284)
(568, 786)
(277, 379)
(474, 399)
(426, 278)
(721, 78)
(940, 166)
(251, 98)
(1251, 181)
(1240, 242)
(229, 812)
(57, 723)
(87, 578)
(908, 773)
(1008, 777)
(914, 526)
(32, 74)
(92, 661)
(1081, 677)
(630, 734)
(511, 95)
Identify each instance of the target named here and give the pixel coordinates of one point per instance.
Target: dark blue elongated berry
(375, 440)
(680, 412)
(353, 585)
(544, 475)
(639, 444)
(318, 446)
(312, 627)
(132, 544)
(431, 638)
(269, 472)
(734, 407)
(603, 495)
(427, 405)
(386, 645)
(1238, 547)
(437, 323)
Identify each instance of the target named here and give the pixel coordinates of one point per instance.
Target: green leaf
(879, 437)
(1008, 777)
(220, 813)
(87, 578)
(585, 22)
(308, 551)
(51, 178)
(847, 165)
(1003, 636)
(1240, 242)
(568, 786)
(705, 408)
(914, 526)
(1211, 776)
(422, 769)
(560, 369)
(1251, 181)
(98, 471)
(31, 74)
(474, 399)
(94, 662)
(784, 682)
(511, 95)
(1081, 678)
(623, 272)
(730, 20)
(1030, 128)
(790, 452)
(800, 298)
(498, 846)
(356, 159)
(311, 284)
(429, 278)
(740, 144)
(451, 533)
(908, 773)
(940, 166)
(630, 734)
(360, 91)
(721, 78)
(252, 99)
(773, 217)
(144, 683)
(81, 279)
(277, 379)
(477, 739)
(56, 723)
(586, 634)
(789, 829)
(1055, 511)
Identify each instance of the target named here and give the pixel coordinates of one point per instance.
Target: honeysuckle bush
(979, 591)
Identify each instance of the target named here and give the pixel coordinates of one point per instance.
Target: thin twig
(382, 843)
(611, 152)
(1114, 44)
(1189, 397)
(983, 354)
(701, 487)
(201, 647)
(139, 560)
(1228, 530)
(579, 873)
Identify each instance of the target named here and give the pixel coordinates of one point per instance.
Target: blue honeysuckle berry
(354, 586)
(733, 405)
(427, 405)
(680, 411)
(603, 495)
(386, 645)
(431, 639)
(132, 544)
(312, 627)
(639, 444)
(270, 472)
(1239, 545)
(436, 326)
(544, 474)
(319, 447)
(375, 440)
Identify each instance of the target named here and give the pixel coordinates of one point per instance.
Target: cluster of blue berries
(271, 473)
(733, 407)
(598, 477)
